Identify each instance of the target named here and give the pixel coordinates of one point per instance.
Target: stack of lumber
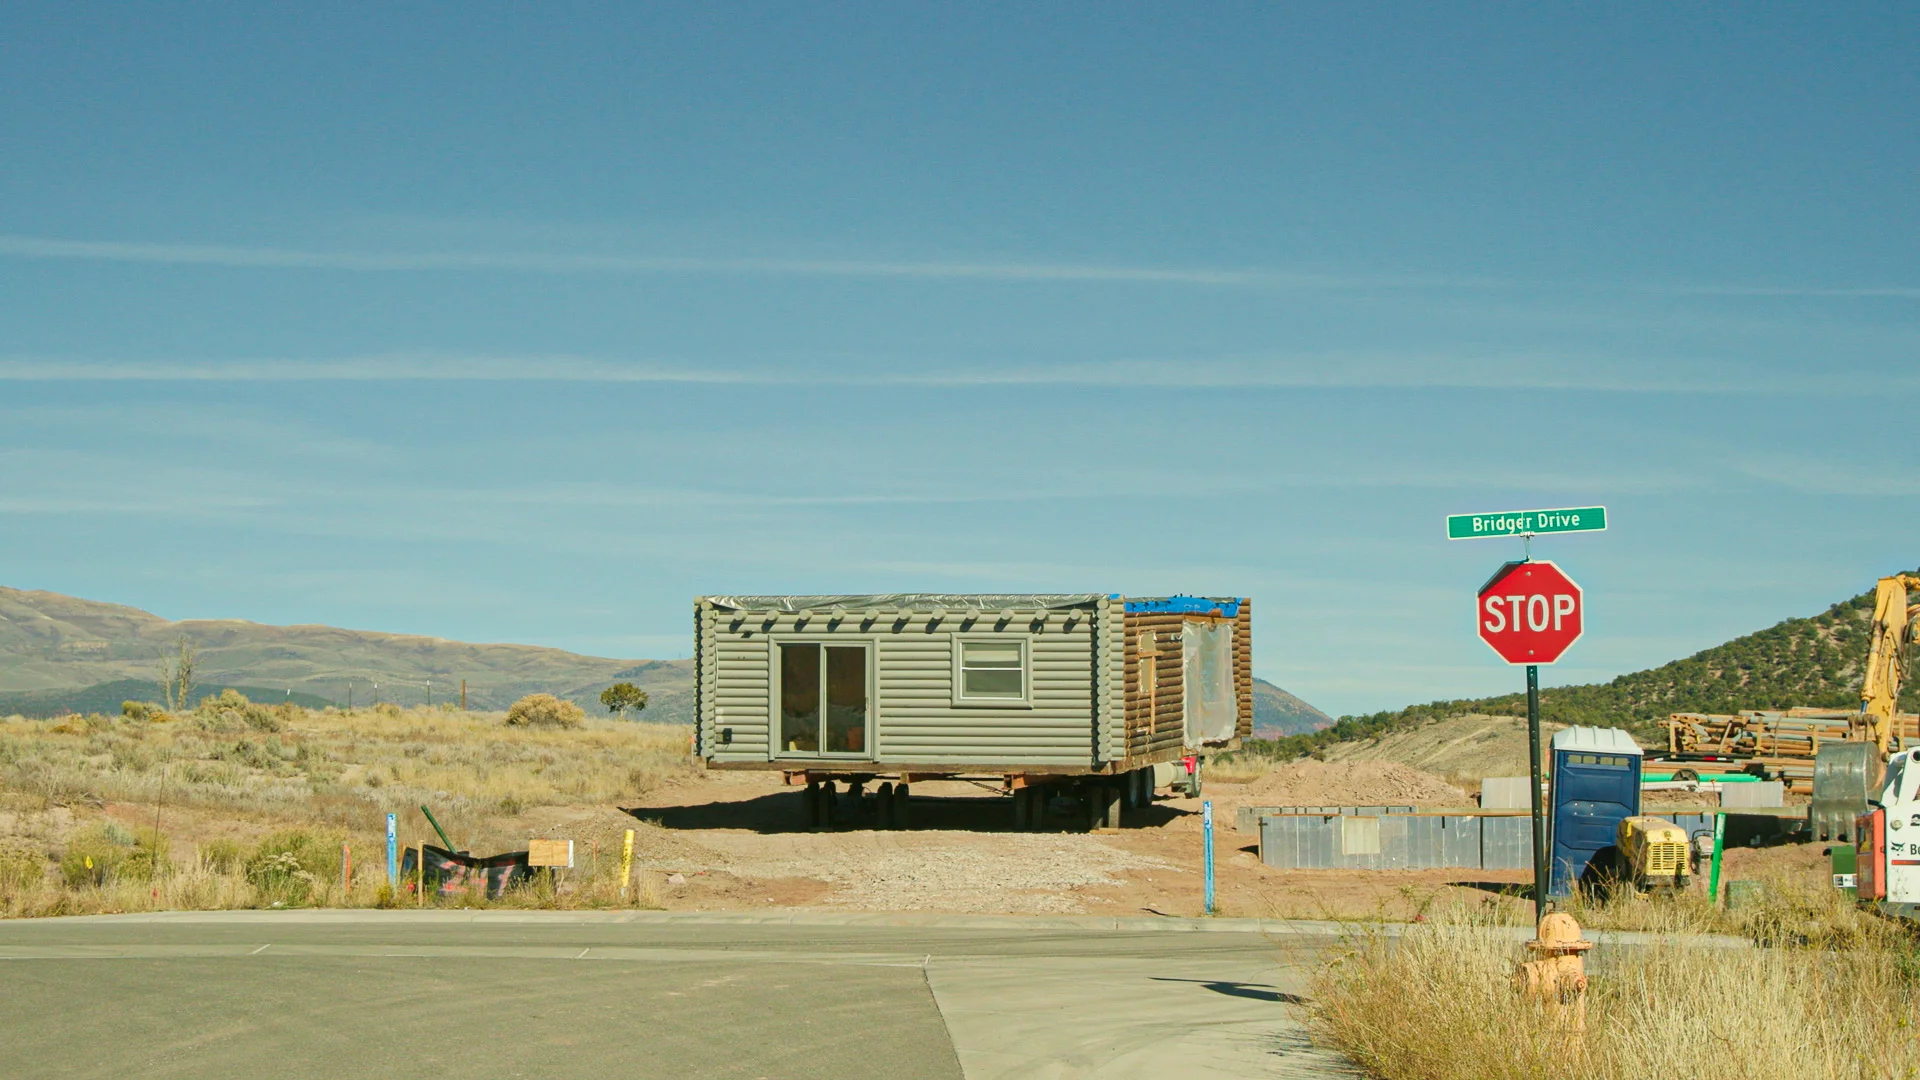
(1784, 741)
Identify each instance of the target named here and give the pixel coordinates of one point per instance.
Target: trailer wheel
(883, 803)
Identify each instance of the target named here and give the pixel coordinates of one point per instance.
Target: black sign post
(1539, 799)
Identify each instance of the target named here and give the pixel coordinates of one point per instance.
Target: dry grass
(1237, 768)
(68, 788)
(1834, 996)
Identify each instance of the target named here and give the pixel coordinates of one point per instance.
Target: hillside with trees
(1815, 661)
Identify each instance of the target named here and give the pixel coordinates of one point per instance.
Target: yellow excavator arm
(1893, 631)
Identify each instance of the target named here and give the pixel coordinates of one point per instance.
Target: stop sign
(1529, 612)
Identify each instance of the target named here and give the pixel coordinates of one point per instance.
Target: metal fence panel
(1506, 843)
(1301, 843)
(1459, 841)
(1247, 818)
(1395, 842)
(1420, 846)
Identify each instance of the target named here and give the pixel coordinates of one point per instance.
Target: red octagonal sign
(1530, 612)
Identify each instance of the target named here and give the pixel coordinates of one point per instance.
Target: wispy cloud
(1356, 370)
(1890, 292)
(223, 255)
(1869, 475)
(549, 262)
(397, 367)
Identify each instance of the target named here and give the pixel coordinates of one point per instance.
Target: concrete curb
(802, 917)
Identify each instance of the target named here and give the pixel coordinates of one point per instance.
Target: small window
(990, 671)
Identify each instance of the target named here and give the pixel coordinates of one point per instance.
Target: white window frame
(960, 697)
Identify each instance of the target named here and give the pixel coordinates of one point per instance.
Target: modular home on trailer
(1073, 694)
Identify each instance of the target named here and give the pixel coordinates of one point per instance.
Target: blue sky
(532, 325)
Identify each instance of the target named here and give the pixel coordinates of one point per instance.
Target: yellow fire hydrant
(1557, 976)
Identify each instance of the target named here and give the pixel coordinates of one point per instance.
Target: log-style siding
(1086, 707)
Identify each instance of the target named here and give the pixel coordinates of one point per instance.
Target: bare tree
(176, 674)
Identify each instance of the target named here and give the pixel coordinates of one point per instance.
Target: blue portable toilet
(1596, 783)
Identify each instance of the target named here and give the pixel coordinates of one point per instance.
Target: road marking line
(260, 950)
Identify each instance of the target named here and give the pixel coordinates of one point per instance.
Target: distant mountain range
(64, 654)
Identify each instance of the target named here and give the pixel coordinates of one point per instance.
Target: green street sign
(1526, 522)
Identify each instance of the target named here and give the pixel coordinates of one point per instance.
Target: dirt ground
(740, 840)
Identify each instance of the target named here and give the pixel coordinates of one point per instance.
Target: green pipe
(450, 847)
(1713, 874)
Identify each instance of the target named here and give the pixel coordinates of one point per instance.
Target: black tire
(1687, 774)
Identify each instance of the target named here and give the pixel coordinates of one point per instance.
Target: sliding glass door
(823, 700)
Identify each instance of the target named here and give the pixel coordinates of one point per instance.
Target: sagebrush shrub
(290, 865)
(20, 869)
(231, 710)
(108, 853)
(222, 855)
(545, 710)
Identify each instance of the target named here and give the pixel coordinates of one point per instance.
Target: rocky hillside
(1277, 713)
(1813, 661)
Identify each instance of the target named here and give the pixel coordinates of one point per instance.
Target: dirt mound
(1350, 783)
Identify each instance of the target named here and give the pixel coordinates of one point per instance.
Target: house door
(823, 700)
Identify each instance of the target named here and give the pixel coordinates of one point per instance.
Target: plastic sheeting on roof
(1597, 740)
(910, 602)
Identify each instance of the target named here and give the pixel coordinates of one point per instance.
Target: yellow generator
(1652, 853)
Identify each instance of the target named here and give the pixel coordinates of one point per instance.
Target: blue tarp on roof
(1187, 605)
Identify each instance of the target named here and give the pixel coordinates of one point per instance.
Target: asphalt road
(479, 995)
